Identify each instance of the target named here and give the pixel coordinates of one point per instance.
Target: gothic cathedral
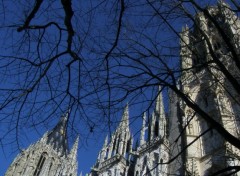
(163, 138)
(47, 157)
(118, 157)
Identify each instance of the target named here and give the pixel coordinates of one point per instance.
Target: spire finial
(222, 3)
(65, 116)
(106, 141)
(73, 153)
(159, 104)
(126, 112)
(142, 137)
(185, 29)
(125, 118)
(57, 138)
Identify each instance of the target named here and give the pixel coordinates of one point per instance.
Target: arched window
(40, 164)
(156, 164)
(137, 173)
(109, 173)
(50, 167)
(156, 129)
(190, 129)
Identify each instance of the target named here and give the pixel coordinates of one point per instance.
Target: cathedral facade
(119, 157)
(183, 143)
(180, 143)
(47, 157)
(210, 42)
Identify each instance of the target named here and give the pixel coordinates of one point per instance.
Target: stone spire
(105, 142)
(49, 155)
(129, 148)
(221, 3)
(116, 151)
(120, 137)
(125, 118)
(72, 157)
(152, 129)
(58, 136)
(185, 51)
(110, 146)
(160, 115)
(142, 137)
(158, 119)
(131, 143)
(230, 17)
(124, 131)
(103, 152)
(159, 109)
(73, 152)
(184, 41)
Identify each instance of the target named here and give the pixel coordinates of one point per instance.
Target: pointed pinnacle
(106, 141)
(126, 112)
(222, 3)
(125, 118)
(144, 119)
(73, 153)
(159, 105)
(65, 116)
(186, 28)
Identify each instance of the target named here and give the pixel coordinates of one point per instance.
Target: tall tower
(114, 158)
(49, 156)
(205, 84)
(153, 150)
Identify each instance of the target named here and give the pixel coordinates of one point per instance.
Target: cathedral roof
(58, 136)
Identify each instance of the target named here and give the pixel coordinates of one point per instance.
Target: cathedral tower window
(40, 164)
(128, 146)
(105, 157)
(114, 145)
(109, 173)
(156, 130)
(222, 103)
(190, 129)
(205, 99)
(137, 173)
(50, 167)
(117, 144)
(155, 164)
(217, 46)
(149, 131)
